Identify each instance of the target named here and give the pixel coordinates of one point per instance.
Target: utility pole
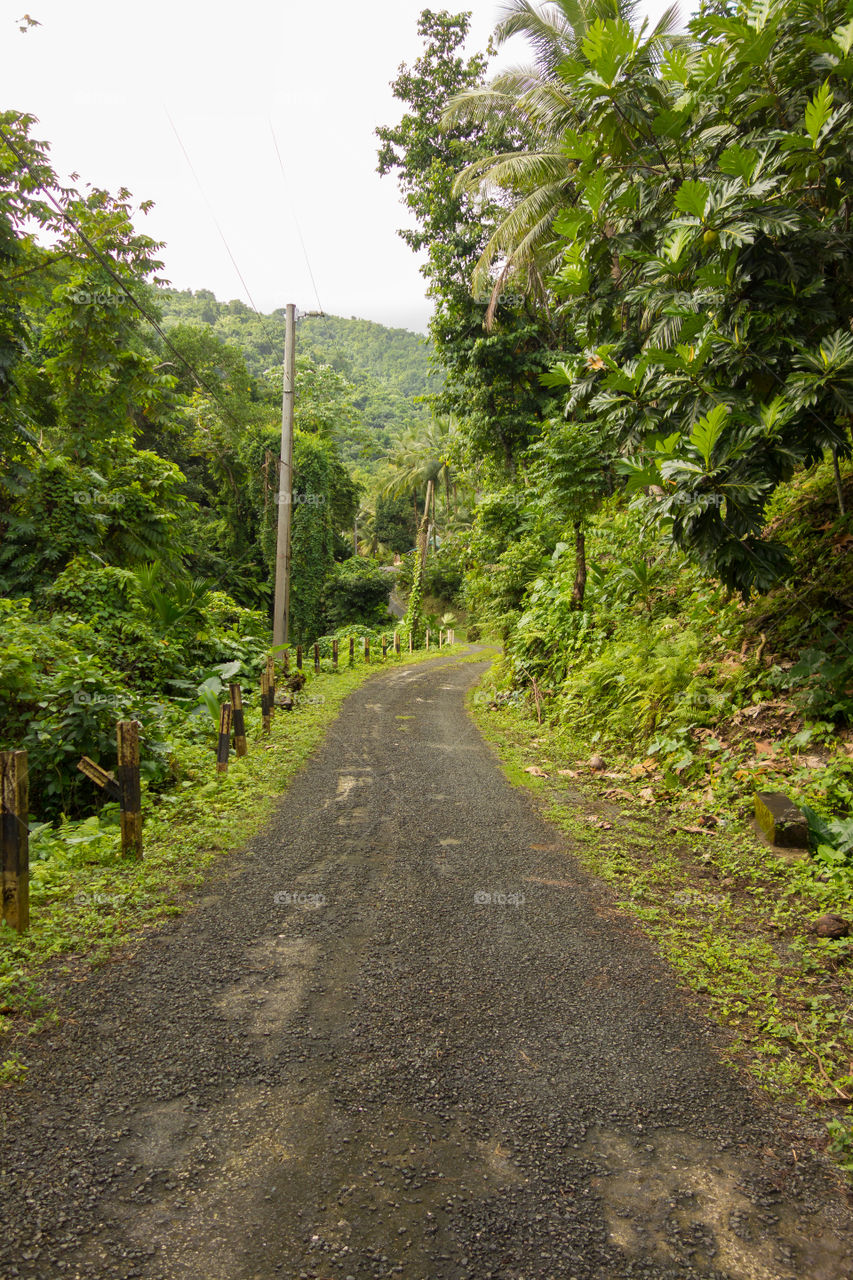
(281, 614)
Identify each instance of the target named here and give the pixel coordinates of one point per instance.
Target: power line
(216, 223)
(295, 219)
(107, 266)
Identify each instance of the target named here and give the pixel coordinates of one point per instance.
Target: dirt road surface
(403, 1035)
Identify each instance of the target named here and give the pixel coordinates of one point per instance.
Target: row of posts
(124, 785)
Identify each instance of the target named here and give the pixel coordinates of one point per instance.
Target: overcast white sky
(103, 77)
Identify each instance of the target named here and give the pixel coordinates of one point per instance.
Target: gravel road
(403, 1035)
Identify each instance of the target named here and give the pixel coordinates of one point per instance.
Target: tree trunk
(839, 488)
(423, 532)
(579, 589)
(434, 544)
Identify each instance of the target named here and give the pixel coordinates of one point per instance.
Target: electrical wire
(216, 223)
(295, 219)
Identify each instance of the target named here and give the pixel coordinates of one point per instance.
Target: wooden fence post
(366, 648)
(271, 681)
(441, 639)
(335, 654)
(224, 745)
(238, 719)
(427, 637)
(397, 643)
(130, 791)
(286, 663)
(299, 656)
(15, 839)
(265, 700)
(316, 659)
(384, 648)
(351, 650)
(411, 642)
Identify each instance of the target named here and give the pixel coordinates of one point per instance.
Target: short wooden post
(335, 654)
(397, 643)
(15, 839)
(316, 659)
(366, 648)
(427, 637)
(351, 650)
(224, 738)
(271, 681)
(441, 639)
(299, 656)
(238, 719)
(265, 700)
(130, 791)
(384, 648)
(286, 662)
(411, 642)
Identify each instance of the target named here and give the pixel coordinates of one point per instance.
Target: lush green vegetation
(630, 458)
(383, 372)
(140, 437)
(639, 248)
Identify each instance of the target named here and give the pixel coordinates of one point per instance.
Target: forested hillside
(388, 368)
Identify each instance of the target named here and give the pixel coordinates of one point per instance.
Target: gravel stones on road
(404, 1035)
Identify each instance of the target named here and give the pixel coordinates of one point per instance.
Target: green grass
(85, 899)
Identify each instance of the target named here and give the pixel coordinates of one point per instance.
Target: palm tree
(423, 458)
(535, 182)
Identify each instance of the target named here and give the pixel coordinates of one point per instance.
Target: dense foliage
(140, 438)
(661, 224)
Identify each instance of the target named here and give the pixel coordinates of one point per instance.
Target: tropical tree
(537, 108)
(491, 379)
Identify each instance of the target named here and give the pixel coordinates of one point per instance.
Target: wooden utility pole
(281, 614)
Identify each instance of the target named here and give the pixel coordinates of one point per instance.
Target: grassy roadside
(728, 914)
(85, 899)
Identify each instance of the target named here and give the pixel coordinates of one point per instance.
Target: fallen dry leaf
(567, 773)
(536, 771)
(647, 795)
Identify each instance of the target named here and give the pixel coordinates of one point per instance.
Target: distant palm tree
(535, 102)
(423, 458)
